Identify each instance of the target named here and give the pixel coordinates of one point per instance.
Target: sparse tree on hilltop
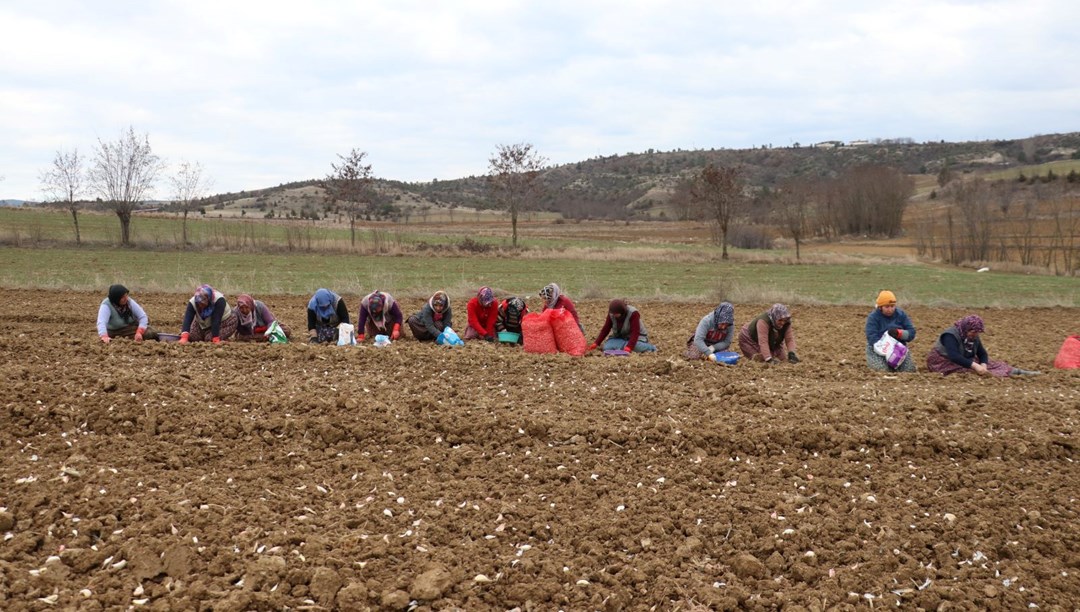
(64, 181)
(123, 174)
(719, 192)
(513, 174)
(189, 184)
(350, 183)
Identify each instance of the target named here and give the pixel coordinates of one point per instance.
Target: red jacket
(482, 319)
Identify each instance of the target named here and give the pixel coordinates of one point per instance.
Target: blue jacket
(877, 324)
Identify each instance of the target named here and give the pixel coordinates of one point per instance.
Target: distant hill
(641, 184)
(12, 202)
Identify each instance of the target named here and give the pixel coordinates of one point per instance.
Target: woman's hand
(979, 368)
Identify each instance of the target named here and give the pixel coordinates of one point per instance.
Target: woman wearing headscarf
(482, 313)
(511, 310)
(208, 317)
(433, 318)
(325, 311)
(960, 349)
(888, 318)
(553, 297)
(379, 314)
(769, 336)
(253, 319)
(627, 331)
(120, 316)
(714, 333)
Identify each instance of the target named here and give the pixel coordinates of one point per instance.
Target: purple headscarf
(486, 296)
(969, 323)
(777, 312)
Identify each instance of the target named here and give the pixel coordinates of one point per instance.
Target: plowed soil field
(273, 477)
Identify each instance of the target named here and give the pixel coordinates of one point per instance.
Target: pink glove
(139, 333)
(184, 338)
(216, 340)
(396, 332)
(105, 338)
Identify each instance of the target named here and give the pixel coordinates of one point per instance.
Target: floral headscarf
(777, 312)
(724, 313)
(244, 299)
(439, 297)
(550, 293)
(205, 293)
(486, 296)
(515, 305)
(971, 322)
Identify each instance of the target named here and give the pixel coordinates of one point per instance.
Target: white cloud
(269, 92)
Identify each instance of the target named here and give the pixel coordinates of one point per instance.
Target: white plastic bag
(274, 334)
(884, 345)
(346, 334)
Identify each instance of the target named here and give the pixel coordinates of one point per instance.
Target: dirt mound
(241, 477)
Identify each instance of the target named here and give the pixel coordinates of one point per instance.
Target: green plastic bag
(275, 334)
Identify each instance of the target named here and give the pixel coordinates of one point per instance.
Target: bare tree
(64, 182)
(719, 192)
(512, 176)
(189, 184)
(123, 173)
(793, 202)
(350, 183)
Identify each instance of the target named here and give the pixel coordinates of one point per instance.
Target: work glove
(184, 338)
(395, 333)
(896, 333)
(139, 333)
(592, 347)
(360, 339)
(105, 338)
(712, 357)
(792, 357)
(628, 348)
(216, 339)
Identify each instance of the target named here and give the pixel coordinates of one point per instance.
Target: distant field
(419, 275)
(1060, 168)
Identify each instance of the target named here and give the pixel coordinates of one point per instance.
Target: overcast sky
(266, 92)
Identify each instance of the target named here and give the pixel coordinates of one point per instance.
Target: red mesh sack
(568, 336)
(1068, 358)
(536, 333)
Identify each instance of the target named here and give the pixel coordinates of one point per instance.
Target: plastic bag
(536, 333)
(568, 336)
(1068, 358)
(885, 345)
(449, 337)
(346, 334)
(274, 334)
(382, 340)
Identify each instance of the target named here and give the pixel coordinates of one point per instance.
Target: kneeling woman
(887, 318)
(627, 331)
(432, 319)
(769, 337)
(714, 333)
(208, 317)
(379, 314)
(325, 311)
(120, 316)
(959, 349)
(253, 319)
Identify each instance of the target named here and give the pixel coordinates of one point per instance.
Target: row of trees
(122, 173)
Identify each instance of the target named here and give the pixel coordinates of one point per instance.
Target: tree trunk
(75, 217)
(797, 257)
(352, 230)
(125, 227)
(183, 231)
(513, 226)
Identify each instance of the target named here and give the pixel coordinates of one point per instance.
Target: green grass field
(1060, 168)
(419, 275)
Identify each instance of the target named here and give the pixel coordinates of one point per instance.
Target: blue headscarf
(322, 303)
(205, 292)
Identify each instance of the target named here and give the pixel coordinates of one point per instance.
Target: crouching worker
(379, 314)
(325, 311)
(888, 318)
(769, 337)
(714, 333)
(432, 319)
(120, 316)
(511, 310)
(208, 317)
(627, 331)
(253, 319)
(483, 315)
